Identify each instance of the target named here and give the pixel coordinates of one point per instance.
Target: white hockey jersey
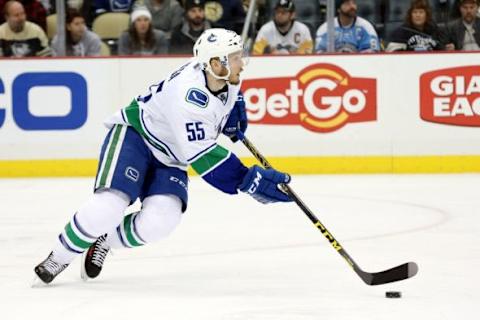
(296, 41)
(180, 119)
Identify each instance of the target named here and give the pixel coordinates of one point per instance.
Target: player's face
(419, 17)
(141, 25)
(469, 11)
(77, 27)
(349, 8)
(236, 63)
(16, 17)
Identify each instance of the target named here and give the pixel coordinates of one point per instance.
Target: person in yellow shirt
(19, 37)
(283, 35)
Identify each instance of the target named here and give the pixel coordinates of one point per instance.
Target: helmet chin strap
(209, 69)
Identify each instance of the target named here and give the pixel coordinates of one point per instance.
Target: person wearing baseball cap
(285, 4)
(352, 33)
(283, 35)
(464, 33)
(193, 25)
(141, 38)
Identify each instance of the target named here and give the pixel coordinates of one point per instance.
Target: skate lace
(100, 252)
(53, 267)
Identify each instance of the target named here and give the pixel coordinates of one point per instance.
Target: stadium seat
(110, 25)
(51, 26)
(373, 11)
(308, 12)
(390, 27)
(444, 11)
(370, 10)
(397, 10)
(104, 49)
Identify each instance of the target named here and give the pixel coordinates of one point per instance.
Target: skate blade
(83, 272)
(37, 282)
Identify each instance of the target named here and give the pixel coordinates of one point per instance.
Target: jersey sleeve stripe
(210, 160)
(227, 175)
(202, 152)
(131, 114)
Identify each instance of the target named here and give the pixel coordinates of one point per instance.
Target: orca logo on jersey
(132, 174)
(212, 38)
(197, 97)
(321, 98)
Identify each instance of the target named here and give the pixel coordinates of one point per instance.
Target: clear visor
(239, 57)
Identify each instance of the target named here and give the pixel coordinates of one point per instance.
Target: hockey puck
(393, 294)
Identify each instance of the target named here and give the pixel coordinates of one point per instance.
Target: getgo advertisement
(321, 98)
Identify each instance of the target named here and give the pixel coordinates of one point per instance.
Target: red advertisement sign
(321, 98)
(451, 96)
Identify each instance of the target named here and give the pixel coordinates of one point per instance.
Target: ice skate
(93, 258)
(48, 269)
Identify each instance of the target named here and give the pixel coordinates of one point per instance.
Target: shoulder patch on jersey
(197, 97)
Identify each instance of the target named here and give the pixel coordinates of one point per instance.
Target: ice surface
(233, 258)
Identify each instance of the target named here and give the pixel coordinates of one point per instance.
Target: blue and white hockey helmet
(216, 43)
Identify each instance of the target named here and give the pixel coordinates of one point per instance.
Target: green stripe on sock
(127, 225)
(111, 152)
(210, 160)
(75, 239)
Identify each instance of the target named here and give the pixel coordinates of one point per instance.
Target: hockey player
(146, 153)
(352, 33)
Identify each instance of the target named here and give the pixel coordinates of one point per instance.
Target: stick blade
(398, 273)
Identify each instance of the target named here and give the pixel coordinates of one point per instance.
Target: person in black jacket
(419, 32)
(464, 33)
(194, 23)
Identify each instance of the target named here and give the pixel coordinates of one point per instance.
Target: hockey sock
(100, 214)
(159, 216)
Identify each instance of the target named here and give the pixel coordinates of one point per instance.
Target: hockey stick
(401, 272)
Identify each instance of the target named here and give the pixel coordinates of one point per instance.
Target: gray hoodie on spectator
(89, 45)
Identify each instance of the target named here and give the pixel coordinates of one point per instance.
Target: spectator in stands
(34, 10)
(19, 37)
(419, 32)
(141, 38)
(166, 14)
(464, 33)
(228, 14)
(194, 23)
(80, 41)
(352, 33)
(283, 35)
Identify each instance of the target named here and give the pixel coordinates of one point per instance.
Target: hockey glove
(262, 185)
(237, 122)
